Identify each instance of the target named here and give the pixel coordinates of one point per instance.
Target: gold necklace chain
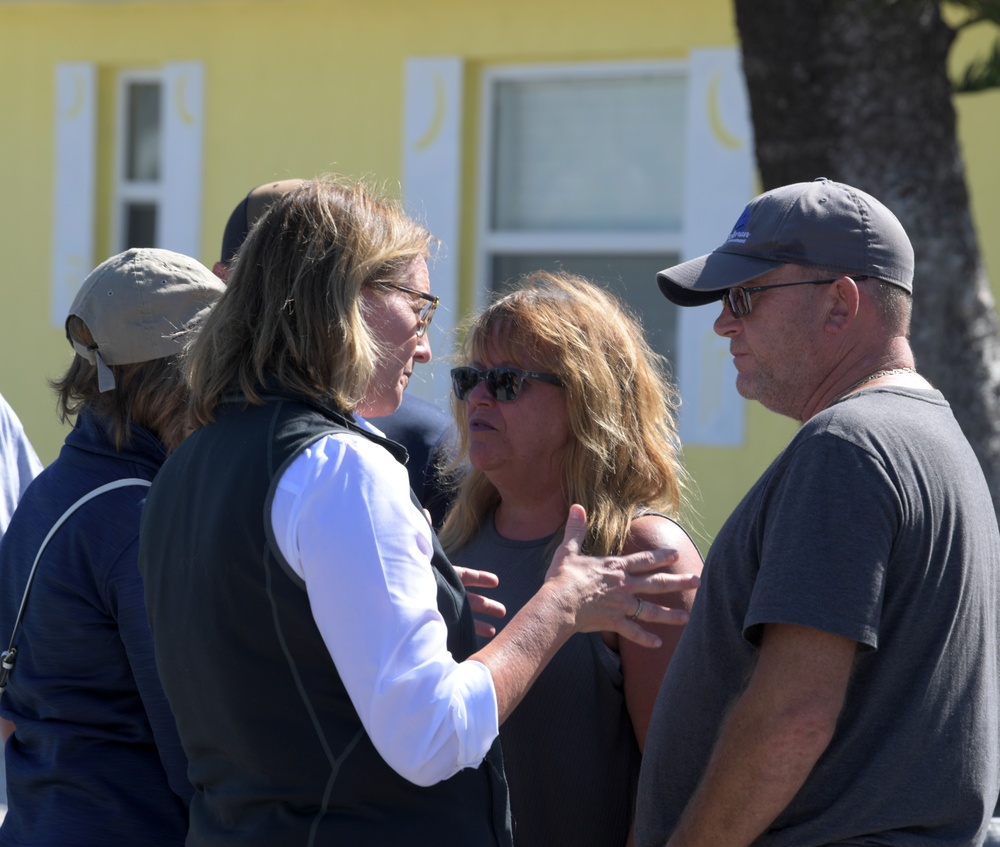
(874, 376)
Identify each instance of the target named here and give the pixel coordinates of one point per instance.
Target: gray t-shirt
(876, 524)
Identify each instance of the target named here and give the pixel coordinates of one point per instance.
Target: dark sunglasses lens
(503, 383)
(463, 380)
(737, 302)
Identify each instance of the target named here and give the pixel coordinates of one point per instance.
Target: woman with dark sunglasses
(562, 401)
(317, 648)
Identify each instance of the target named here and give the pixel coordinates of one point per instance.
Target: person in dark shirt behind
(92, 752)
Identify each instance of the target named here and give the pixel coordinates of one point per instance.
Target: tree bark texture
(858, 91)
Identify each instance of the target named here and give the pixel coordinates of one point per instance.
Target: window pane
(632, 278)
(596, 154)
(140, 225)
(142, 155)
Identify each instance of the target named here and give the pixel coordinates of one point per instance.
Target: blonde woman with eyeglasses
(317, 647)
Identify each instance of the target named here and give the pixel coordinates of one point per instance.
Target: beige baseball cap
(137, 305)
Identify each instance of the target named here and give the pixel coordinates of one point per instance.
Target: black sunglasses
(503, 384)
(738, 299)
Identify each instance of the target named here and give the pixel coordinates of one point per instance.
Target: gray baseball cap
(820, 224)
(137, 304)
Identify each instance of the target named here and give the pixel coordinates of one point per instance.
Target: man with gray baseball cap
(837, 683)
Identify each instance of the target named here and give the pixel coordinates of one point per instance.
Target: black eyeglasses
(426, 313)
(503, 384)
(738, 299)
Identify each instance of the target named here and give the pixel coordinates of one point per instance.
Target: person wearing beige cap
(94, 758)
(838, 681)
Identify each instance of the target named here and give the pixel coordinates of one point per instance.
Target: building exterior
(611, 140)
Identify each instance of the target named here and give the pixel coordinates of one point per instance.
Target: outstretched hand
(602, 593)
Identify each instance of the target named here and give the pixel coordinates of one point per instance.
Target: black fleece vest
(277, 753)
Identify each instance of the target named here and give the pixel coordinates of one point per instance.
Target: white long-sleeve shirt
(343, 518)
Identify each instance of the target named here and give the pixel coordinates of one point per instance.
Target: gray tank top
(570, 753)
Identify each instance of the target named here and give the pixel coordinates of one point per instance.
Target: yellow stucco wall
(295, 88)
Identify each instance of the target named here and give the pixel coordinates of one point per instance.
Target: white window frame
(490, 243)
(132, 191)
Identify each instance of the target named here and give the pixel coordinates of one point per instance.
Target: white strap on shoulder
(7, 659)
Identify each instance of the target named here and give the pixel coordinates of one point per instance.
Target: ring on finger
(638, 610)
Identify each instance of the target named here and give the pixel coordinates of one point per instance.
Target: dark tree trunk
(858, 91)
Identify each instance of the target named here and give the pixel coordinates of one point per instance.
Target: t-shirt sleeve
(828, 533)
(343, 519)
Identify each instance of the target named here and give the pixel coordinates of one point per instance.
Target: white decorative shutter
(432, 160)
(74, 176)
(719, 182)
(180, 225)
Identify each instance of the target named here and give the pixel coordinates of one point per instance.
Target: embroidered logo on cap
(739, 235)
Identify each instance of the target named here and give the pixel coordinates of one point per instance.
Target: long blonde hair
(623, 452)
(292, 313)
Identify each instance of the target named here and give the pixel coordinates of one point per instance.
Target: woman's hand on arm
(643, 668)
(580, 594)
(603, 593)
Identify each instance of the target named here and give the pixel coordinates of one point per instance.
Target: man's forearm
(759, 763)
(771, 739)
